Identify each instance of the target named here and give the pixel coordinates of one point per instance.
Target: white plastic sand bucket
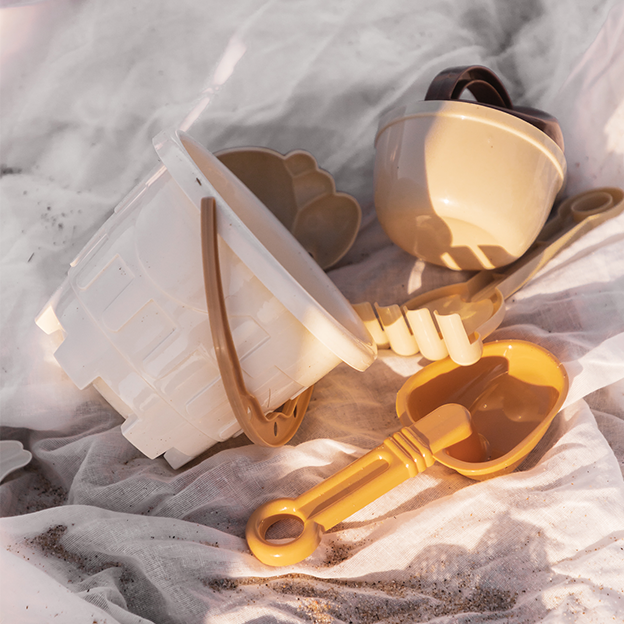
(133, 313)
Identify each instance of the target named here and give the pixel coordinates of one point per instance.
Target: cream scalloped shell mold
(302, 196)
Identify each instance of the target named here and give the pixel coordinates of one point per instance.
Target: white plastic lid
(268, 249)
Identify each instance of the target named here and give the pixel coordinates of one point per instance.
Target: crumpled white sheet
(94, 531)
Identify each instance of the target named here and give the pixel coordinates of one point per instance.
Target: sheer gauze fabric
(92, 531)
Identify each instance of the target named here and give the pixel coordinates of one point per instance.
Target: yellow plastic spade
(481, 420)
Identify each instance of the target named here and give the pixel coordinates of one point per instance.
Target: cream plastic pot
(133, 316)
(462, 184)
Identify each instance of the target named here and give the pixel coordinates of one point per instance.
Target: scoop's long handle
(576, 216)
(401, 456)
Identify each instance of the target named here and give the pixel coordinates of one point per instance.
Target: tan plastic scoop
(481, 420)
(454, 320)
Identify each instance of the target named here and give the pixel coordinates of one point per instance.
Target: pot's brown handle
(482, 82)
(487, 88)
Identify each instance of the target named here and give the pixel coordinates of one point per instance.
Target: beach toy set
(201, 309)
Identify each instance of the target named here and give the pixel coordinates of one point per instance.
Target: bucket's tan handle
(401, 456)
(275, 428)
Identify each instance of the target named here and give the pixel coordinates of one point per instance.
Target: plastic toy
(489, 91)
(481, 420)
(466, 185)
(302, 196)
(468, 312)
(276, 427)
(134, 320)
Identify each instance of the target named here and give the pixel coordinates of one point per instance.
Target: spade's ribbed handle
(401, 456)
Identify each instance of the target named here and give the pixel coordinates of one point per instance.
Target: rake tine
(397, 329)
(461, 349)
(372, 323)
(431, 343)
